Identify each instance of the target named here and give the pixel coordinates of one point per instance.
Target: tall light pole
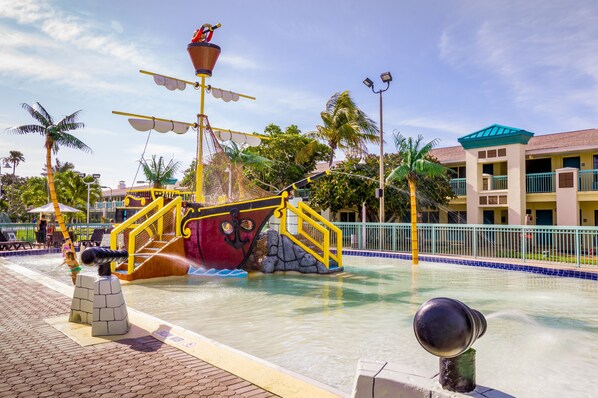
(89, 184)
(386, 78)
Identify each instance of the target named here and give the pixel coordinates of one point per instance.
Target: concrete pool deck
(44, 355)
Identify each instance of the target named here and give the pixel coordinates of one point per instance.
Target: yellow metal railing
(151, 215)
(163, 221)
(326, 231)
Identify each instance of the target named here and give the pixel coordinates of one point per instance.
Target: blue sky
(458, 66)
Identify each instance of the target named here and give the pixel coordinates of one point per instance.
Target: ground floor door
(488, 216)
(544, 217)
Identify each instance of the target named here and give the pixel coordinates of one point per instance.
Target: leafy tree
(289, 160)
(56, 135)
(188, 180)
(415, 165)
(352, 183)
(34, 192)
(72, 191)
(15, 157)
(157, 172)
(346, 127)
(12, 203)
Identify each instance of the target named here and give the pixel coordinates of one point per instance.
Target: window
(430, 217)
(347, 216)
(458, 172)
(457, 217)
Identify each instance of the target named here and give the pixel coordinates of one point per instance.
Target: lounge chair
(95, 239)
(55, 240)
(11, 243)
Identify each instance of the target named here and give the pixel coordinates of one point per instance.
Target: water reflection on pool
(542, 336)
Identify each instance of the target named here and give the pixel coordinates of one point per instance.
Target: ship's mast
(199, 163)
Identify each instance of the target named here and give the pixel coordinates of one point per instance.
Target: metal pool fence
(26, 231)
(575, 246)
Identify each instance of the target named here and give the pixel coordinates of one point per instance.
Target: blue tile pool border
(32, 252)
(565, 273)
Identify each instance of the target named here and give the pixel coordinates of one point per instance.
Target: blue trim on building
(495, 135)
(566, 273)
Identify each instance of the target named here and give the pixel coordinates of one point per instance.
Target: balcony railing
(500, 182)
(588, 180)
(540, 182)
(458, 186)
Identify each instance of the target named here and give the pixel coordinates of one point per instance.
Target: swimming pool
(542, 336)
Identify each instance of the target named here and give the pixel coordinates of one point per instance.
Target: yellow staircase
(316, 235)
(153, 240)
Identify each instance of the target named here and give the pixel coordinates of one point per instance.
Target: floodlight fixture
(368, 82)
(386, 77)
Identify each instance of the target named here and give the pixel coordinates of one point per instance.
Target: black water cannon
(448, 328)
(102, 257)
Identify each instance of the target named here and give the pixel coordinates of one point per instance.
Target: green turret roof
(495, 135)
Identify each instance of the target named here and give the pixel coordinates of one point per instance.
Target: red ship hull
(222, 237)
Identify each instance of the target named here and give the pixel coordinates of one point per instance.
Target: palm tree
(415, 163)
(345, 126)
(157, 172)
(15, 158)
(61, 167)
(56, 135)
(239, 157)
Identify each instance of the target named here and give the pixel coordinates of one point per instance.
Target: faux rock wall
(284, 255)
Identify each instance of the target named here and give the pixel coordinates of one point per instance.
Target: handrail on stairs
(333, 228)
(158, 216)
(323, 246)
(130, 223)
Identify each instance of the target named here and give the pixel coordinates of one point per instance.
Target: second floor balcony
(534, 183)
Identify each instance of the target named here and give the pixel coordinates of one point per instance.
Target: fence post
(433, 239)
(577, 248)
(523, 243)
(359, 238)
(394, 237)
(475, 241)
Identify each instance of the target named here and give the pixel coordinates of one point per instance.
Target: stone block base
(82, 304)
(99, 302)
(376, 379)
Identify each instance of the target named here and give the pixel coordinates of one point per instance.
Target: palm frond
(70, 141)
(39, 113)
(26, 129)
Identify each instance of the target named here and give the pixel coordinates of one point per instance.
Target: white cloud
(38, 50)
(25, 11)
(238, 62)
(118, 28)
(454, 127)
(543, 54)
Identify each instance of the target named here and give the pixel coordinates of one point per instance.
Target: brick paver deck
(37, 360)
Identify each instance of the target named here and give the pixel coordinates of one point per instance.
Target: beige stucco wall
(566, 199)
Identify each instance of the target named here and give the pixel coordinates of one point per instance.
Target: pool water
(542, 337)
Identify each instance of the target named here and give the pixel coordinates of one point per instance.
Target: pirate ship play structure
(217, 225)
